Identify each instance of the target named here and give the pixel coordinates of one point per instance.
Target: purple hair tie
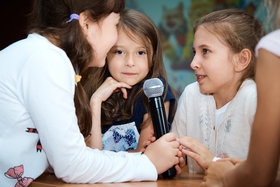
(73, 16)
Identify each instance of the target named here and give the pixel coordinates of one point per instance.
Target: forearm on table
(260, 168)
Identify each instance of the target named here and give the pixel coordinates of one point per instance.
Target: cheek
(145, 68)
(112, 61)
(113, 66)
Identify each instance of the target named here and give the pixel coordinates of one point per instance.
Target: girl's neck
(227, 92)
(220, 102)
(225, 96)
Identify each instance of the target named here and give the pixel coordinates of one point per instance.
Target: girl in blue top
(124, 123)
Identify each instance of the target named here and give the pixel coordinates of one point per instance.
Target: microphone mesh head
(153, 87)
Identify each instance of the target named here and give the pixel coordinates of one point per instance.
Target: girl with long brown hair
(137, 56)
(43, 103)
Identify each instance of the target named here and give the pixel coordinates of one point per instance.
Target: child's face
(102, 36)
(212, 63)
(128, 60)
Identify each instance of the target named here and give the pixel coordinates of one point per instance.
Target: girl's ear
(244, 58)
(84, 21)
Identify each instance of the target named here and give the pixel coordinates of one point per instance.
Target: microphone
(153, 89)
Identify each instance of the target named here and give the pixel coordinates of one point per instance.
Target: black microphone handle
(160, 125)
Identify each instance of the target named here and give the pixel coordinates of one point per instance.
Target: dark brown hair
(139, 27)
(49, 19)
(238, 30)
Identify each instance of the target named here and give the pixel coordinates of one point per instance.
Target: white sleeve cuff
(215, 159)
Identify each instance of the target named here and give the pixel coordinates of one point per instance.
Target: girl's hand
(214, 175)
(197, 151)
(234, 161)
(163, 153)
(108, 87)
(150, 140)
(147, 143)
(182, 162)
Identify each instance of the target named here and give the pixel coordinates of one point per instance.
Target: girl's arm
(263, 157)
(51, 82)
(109, 86)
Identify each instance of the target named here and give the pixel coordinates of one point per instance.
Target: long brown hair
(49, 18)
(137, 26)
(238, 30)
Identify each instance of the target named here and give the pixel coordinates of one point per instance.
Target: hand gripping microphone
(153, 89)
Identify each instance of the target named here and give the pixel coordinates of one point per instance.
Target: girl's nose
(130, 61)
(194, 63)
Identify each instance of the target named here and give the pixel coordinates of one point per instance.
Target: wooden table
(185, 179)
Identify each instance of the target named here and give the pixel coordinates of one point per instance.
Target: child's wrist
(94, 101)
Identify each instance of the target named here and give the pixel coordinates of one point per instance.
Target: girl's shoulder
(248, 90)
(191, 94)
(248, 85)
(191, 89)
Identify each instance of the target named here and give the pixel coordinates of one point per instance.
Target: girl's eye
(194, 52)
(119, 52)
(141, 52)
(205, 51)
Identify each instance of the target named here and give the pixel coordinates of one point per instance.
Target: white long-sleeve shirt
(37, 85)
(195, 116)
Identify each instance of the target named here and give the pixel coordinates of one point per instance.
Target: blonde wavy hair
(273, 13)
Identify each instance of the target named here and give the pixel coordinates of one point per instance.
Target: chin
(204, 91)
(129, 83)
(97, 63)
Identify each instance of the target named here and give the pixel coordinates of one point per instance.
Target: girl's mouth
(200, 77)
(129, 74)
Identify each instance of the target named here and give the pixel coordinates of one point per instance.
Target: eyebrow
(201, 46)
(123, 46)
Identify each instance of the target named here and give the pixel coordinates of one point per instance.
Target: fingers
(180, 154)
(182, 162)
(184, 140)
(124, 93)
(169, 137)
(232, 160)
(191, 143)
(195, 146)
(108, 87)
(153, 138)
(201, 161)
(191, 154)
(152, 131)
(178, 169)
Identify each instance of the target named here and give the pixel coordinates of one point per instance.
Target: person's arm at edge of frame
(261, 166)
